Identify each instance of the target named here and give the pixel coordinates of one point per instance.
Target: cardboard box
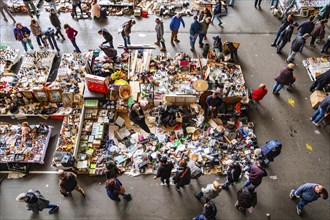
(317, 97)
(97, 83)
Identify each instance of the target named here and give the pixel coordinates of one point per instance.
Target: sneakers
(299, 211)
(192, 49)
(5, 19)
(163, 49)
(157, 43)
(52, 210)
(291, 195)
(273, 45)
(316, 124)
(197, 197)
(176, 40)
(173, 44)
(311, 118)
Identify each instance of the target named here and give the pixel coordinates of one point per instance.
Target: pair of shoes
(173, 44)
(316, 124)
(157, 43)
(299, 211)
(163, 49)
(192, 49)
(52, 210)
(276, 93)
(163, 184)
(220, 24)
(311, 118)
(259, 6)
(177, 188)
(5, 19)
(291, 195)
(273, 45)
(176, 40)
(322, 51)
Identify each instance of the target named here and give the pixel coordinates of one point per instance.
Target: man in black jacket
(284, 24)
(285, 37)
(306, 27)
(233, 173)
(107, 36)
(164, 171)
(321, 81)
(297, 46)
(246, 198)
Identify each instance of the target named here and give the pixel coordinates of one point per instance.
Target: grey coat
(40, 204)
(159, 30)
(209, 192)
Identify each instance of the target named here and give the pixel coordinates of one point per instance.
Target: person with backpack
(114, 188)
(209, 212)
(55, 21)
(182, 176)
(307, 193)
(126, 31)
(68, 183)
(36, 202)
(164, 171)
(246, 198)
(107, 36)
(233, 173)
(112, 171)
(71, 34)
(217, 12)
(22, 34)
(211, 191)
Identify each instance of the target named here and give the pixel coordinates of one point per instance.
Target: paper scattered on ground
(317, 132)
(291, 102)
(273, 177)
(309, 147)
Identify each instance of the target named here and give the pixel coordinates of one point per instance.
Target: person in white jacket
(211, 191)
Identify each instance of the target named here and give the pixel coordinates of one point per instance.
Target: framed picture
(27, 94)
(67, 99)
(77, 98)
(40, 95)
(55, 95)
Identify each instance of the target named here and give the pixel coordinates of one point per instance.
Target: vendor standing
(136, 115)
(213, 104)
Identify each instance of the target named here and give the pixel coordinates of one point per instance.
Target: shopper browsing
(22, 34)
(126, 32)
(71, 34)
(107, 36)
(175, 23)
(68, 183)
(55, 21)
(36, 31)
(211, 191)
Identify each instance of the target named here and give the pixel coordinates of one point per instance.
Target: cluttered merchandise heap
(132, 109)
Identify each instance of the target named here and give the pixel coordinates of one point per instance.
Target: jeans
(318, 115)
(39, 40)
(27, 42)
(274, 3)
(313, 40)
(247, 183)
(326, 46)
(200, 195)
(277, 36)
(127, 41)
(302, 203)
(73, 41)
(52, 42)
(217, 16)
(257, 2)
(281, 43)
(31, 7)
(74, 9)
(277, 87)
(52, 5)
(192, 41)
(201, 37)
(5, 8)
(291, 55)
(51, 206)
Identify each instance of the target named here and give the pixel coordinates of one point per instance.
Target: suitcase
(231, 2)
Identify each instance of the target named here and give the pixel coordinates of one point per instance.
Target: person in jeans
(284, 78)
(306, 27)
(307, 193)
(75, 4)
(22, 34)
(326, 46)
(211, 191)
(35, 202)
(36, 31)
(204, 26)
(68, 183)
(194, 30)
(55, 21)
(217, 12)
(71, 34)
(174, 27)
(159, 28)
(246, 198)
(317, 31)
(256, 173)
(284, 24)
(32, 9)
(323, 109)
(233, 173)
(164, 171)
(297, 46)
(49, 35)
(4, 7)
(285, 37)
(127, 29)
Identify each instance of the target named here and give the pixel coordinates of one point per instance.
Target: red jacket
(259, 93)
(71, 33)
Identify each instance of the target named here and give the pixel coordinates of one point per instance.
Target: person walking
(175, 23)
(284, 24)
(214, 103)
(159, 28)
(317, 31)
(55, 21)
(285, 37)
(307, 193)
(326, 46)
(112, 171)
(182, 175)
(32, 9)
(107, 36)
(3, 9)
(321, 81)
(259, 94)
(211, 191)
(75, 4)
(36, 31)
(136, 115)
(209, 212)
(194, 30)
(96, 9)
(256, 173)
(274, 3)
(22, 34)
(68, 183)
(114, 188)
(323, 109)
(246, 198)
(284, 78)
(71, 34)
(36, 202)
(217, 12)
(204, 26)
(297, 46)
(234, 172)
(306, 27)
(164, 171)
(125, 33)
(257, 2)
(49, 35)
(205, 13)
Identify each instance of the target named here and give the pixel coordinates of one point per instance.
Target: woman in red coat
(72, 33)
(259, 93)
